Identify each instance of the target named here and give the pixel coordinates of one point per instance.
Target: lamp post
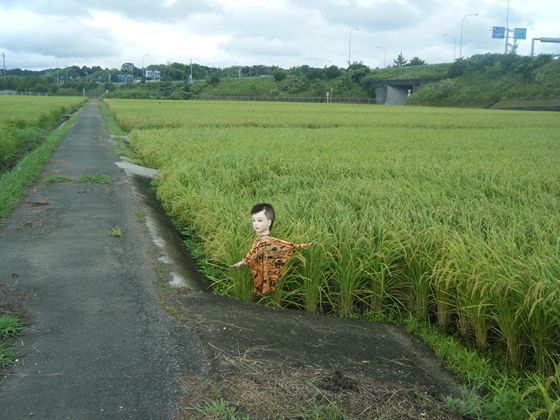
(350, 44)
(453, 38)
(461, 41)
(384, 54)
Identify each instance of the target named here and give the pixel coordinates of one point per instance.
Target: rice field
(23, 117)
(447, 214)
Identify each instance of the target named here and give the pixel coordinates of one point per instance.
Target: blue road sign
(519, 33)
(498, 32)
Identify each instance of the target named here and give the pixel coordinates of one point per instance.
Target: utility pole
(507, 28)
(190, 75)
(384, 55)
(461, 40)
(4, 63)
(453, 38)
(350, 45)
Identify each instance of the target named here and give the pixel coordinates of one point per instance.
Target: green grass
(8, 356)
(112, 127)
(10, 326)
(428, 71)
(14, 184)
(57, 179)
(116, 232)
(216, 409)
(492, 388)
(527, 103)
(97, 178)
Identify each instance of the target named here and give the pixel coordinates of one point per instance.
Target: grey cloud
(61, 40)
(261, 47)
(287, 25)
(144, 10)
(379, 16)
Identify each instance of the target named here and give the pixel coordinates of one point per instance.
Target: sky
(40, 34)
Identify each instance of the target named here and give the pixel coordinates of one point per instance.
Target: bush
(280, 75)
(214, 80)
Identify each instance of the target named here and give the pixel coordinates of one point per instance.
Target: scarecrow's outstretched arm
(238, 264)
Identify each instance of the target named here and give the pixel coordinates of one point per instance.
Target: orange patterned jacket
(266, 259)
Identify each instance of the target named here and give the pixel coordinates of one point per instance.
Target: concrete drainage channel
(248, 347)
(184, 273)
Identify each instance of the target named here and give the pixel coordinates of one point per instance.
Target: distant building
(124, 78)
(153, 74)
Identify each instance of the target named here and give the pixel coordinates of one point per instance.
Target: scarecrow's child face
(261, 223)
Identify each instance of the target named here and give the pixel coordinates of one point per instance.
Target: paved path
(98, 344)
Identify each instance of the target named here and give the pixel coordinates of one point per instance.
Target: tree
(514, 47)
(415, 61)
(127, 68)
(280, 75)
(214, 80)
(314, 73)
(457, 68)
(332, 72)
(358, 71)
(400, 61)
(181, 91)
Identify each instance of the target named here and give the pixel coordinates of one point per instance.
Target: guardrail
(16, 93)
(314, 99)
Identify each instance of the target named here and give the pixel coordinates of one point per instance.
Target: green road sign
(498, 32)
(519, 33)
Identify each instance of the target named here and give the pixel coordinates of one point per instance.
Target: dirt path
(99, 343)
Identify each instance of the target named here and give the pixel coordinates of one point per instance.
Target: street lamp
(461, 41)
(350, 44)
(384, 54)
(453, 38)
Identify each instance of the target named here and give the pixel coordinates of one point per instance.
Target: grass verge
(10, 326)
(110, 122)
(97, 178)
(492, 388)
(122, 146)
(13, 184)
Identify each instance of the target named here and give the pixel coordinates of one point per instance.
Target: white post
(350, 44)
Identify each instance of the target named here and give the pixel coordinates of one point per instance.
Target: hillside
(487, 80)
(495, 80)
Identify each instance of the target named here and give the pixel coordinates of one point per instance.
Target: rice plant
(449, 215)
(24, 117)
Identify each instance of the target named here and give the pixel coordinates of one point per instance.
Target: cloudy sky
(38, 34)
